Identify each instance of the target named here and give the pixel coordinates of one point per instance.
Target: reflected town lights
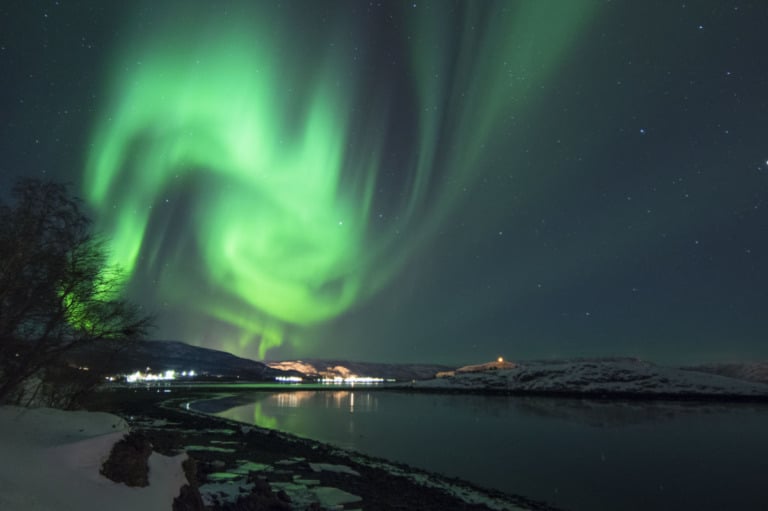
(292, 399)
(334, 380)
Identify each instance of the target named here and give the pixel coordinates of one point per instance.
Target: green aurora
(243, 166)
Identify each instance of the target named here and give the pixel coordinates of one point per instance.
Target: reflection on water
(278, 410)
(576, 454)
(339, 399)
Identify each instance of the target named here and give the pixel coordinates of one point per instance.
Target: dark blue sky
(604, 193)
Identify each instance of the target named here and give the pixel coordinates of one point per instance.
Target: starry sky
(433, 181)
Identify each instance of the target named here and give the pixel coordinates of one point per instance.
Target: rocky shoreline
(237, 467)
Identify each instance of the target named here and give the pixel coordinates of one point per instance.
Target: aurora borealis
(280, 234)
(271, 233)
(405, 181)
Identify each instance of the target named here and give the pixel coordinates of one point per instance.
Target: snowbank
(51, 461)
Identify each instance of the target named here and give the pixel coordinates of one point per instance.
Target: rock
(283, 496)
(260, 487)
(261, 498)
(189, 498)
(128, 461)
(258, 502)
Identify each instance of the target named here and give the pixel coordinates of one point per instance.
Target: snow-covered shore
(599, 377)
(51, 462)
(57, 456)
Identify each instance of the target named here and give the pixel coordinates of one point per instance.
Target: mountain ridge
(121, 357)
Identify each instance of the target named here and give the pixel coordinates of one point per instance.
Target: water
(575, 454)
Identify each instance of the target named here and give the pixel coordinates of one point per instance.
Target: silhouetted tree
(56, 290)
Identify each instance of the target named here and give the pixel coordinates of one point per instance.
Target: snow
(750, 371)
(454, 488)
(330, 467)
(223, 476)
(304, 492)
(51, 461)
(597, 377)
(224, 491)
(210, 448)
(333, 497)
(249, 466)
(227, 487)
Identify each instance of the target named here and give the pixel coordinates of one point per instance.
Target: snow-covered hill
(598, 377)
(343, 368)
(750, 371)
(478, 368)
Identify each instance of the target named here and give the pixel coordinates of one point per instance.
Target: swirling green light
(256, 127)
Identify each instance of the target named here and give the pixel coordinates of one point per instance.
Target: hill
(317, 368)
(619, 377)
(110, 357)
(749, 371)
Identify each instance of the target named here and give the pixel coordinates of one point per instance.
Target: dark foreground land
(239, 467)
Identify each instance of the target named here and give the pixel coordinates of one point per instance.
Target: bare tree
(56, 290)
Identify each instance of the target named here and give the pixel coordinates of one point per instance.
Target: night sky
(412, 181)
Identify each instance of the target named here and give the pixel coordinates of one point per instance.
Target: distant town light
(167, 375)
(351, 380)
(500, 360)
(289, 379)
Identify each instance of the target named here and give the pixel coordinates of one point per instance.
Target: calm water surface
(576, 454)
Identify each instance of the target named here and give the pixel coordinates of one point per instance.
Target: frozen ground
(226, 487)
(51, 461)
(624, 377)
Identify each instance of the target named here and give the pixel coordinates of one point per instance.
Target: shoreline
(288, 464)
(236, 387)
(595, 395)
